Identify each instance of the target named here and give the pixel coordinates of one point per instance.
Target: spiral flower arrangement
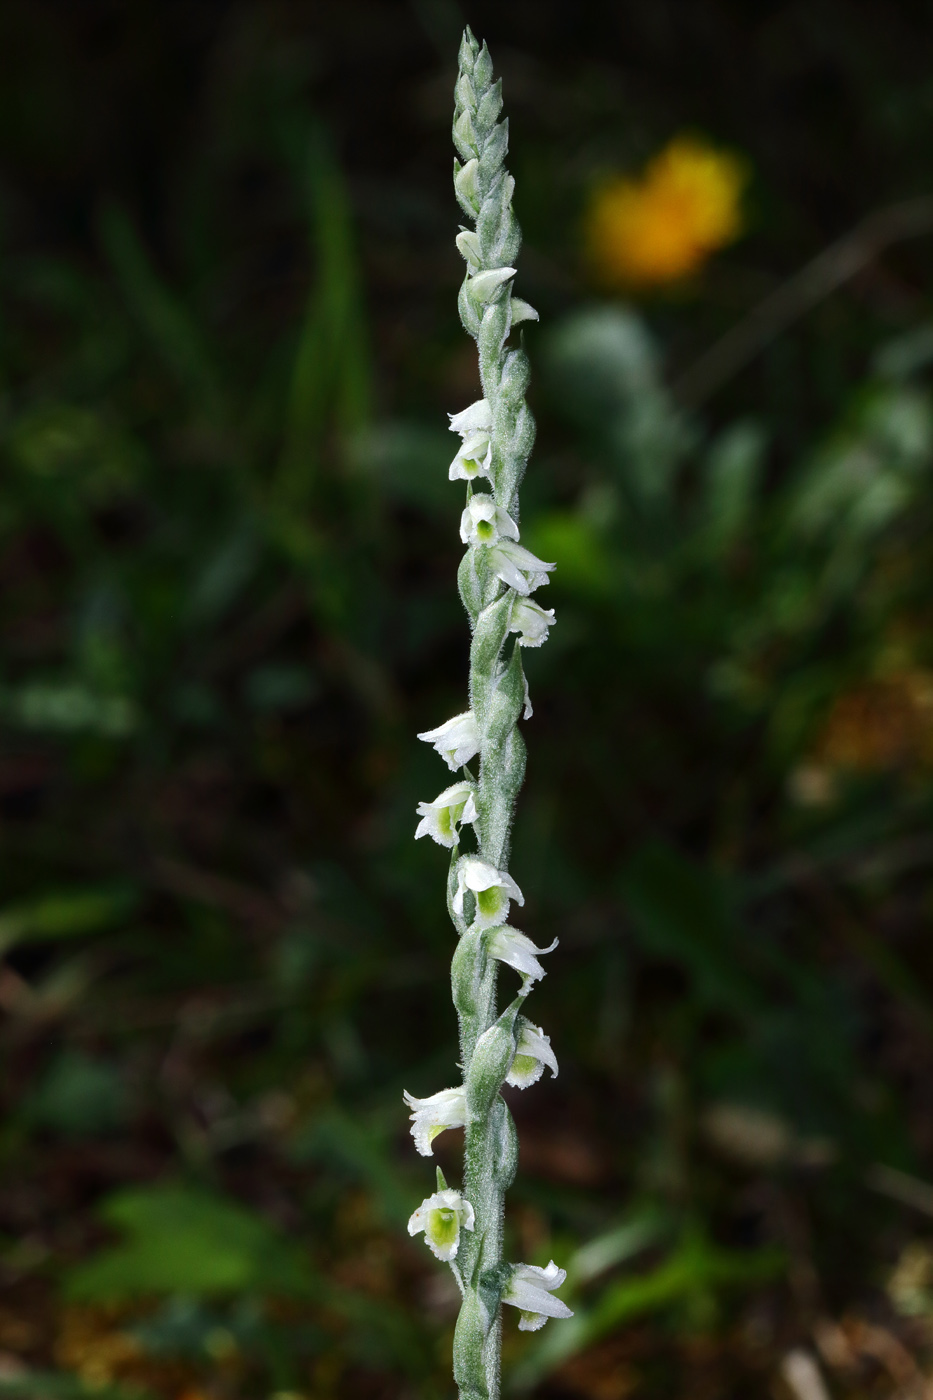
(497, 577)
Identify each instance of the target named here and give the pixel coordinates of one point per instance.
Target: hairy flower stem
(496, 577)
(496, 681)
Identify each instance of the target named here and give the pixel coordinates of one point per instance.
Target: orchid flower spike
(445, 1109)
(493, 889)
(530, 1289)
(483, 522)
(532, 1052)
(496, 579)
(457, 740)
(441, 1217)
(440, 818)
(517, 950)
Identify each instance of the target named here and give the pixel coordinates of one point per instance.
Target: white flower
(474, 458)
(494, 889)
(528, 711)
(445, 1109)
(441, 1217)
(439, 818)
(532, 621)
(457, 740)
(518, 567)
(517, 949)
(530, 1289)
(472, 418)
(532, 1052)
(483, 522)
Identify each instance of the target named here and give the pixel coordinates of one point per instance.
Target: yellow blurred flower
(659, 228)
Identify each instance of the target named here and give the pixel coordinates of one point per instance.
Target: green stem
(496, 690)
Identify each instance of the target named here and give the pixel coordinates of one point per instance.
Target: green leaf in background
(182, 1240)
(680, 911)
(66, 914)
(79, 1096)
(691, 1275)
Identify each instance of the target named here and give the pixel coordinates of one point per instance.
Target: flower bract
(493, 890)
(441, 1217)
(440, 818)
(445, 1109)
(456, 740)
(532, 1052)
(530, 1289)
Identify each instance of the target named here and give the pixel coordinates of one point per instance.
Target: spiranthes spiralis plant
(497, 577)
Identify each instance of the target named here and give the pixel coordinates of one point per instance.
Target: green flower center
(523, 1065)
(443, 1226)
(485, 529)
(487, 901)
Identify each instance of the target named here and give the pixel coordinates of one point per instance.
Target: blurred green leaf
(183, 1240)
(67, 914)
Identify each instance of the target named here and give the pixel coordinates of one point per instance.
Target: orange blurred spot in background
(659, 228)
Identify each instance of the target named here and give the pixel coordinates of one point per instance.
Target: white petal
(479, 874)
(517, 950)
(470, 420)
(535, 1300)
(552, 1276)
(504, 568)
(533, 1041)
(532, 1322)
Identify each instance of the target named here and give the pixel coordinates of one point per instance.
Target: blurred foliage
(228, 338)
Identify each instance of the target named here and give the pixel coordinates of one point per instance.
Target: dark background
(228, 340)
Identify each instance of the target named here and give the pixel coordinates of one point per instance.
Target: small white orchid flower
(518, 567)
(531, 621)
(445, 1109)
(532, 1052)
(517, 950)
(457, 740)
(472, 419)
(494, 890)
(441, 1217)
(483, 522)
(439, 818)
(474, 458)
(530, 1289)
